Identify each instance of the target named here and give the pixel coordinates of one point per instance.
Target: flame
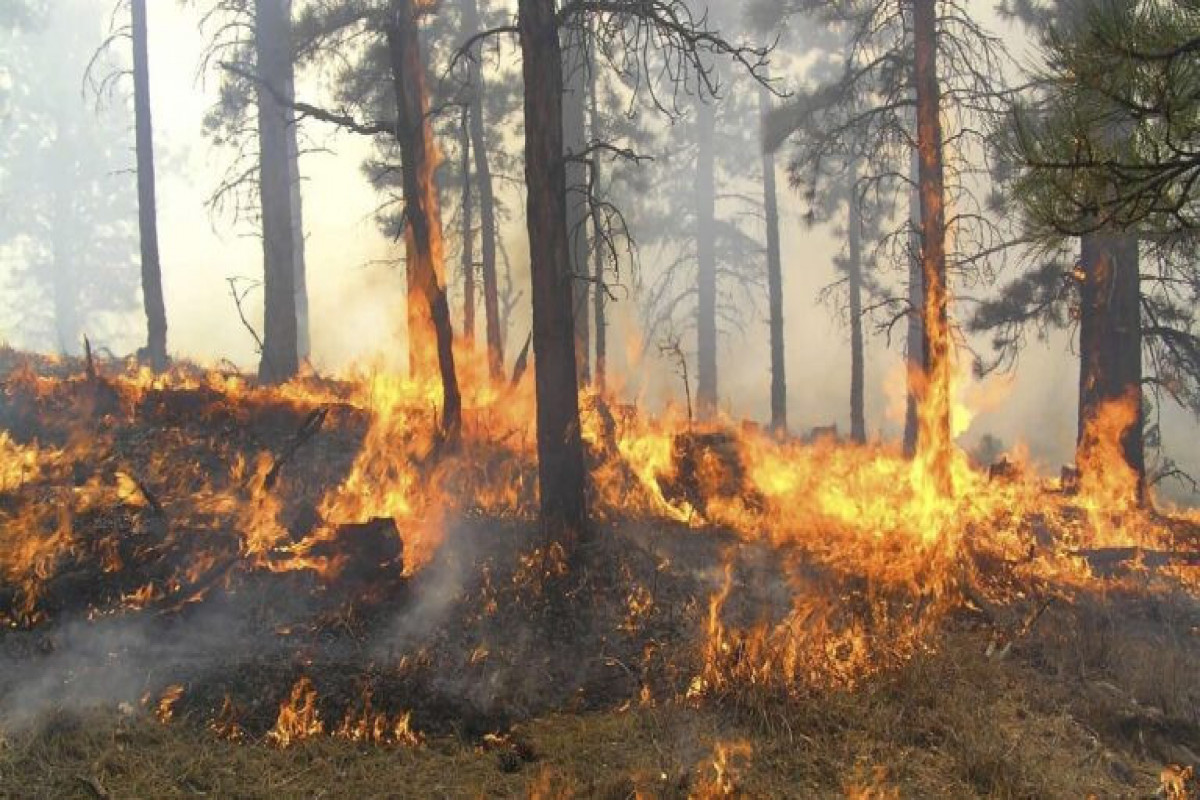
(298, 716)
(225, 724)
(1107, 482)
(873, 786)
(165, 710)
(722, 772)
(860, 514)
(374, 727)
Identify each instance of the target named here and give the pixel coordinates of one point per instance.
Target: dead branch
(310, 428)
(341, 119)
(672, 349)
(238, 297)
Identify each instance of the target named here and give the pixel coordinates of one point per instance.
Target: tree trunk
(560, 447)
(303, 336)
(487, 201)
(914, 353)
(468, 233)
(598, 298)
(858, 417)
(575, 76)
(706, 262)
(272, 41)
(1110, 354)
(774, 282)
(934, 443)
(423, 216)
(152, 291)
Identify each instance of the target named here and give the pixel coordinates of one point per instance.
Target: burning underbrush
(313, 562)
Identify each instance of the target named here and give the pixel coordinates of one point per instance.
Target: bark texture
(934, 445)
(575, 77)
(280, 356)
(422, 218)
(152, 291)
(303, 336)
(560, 447)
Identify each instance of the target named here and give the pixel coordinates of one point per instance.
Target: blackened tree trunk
(1110, 349)
(575, 78)
(914, 351)
(152, 291)
(854, 279)
(423, 217)
(560, 446)
(706, 261)
(774, 282)
(280, 356)
(600, 378)
(468, 232)
(487, 201)
(934, 444)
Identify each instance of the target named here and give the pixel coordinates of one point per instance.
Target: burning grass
(309, 577)
(953, 725)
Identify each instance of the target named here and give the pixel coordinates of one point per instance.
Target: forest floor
(953, 724)
(159, 661)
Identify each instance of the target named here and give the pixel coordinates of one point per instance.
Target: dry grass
(953, 725)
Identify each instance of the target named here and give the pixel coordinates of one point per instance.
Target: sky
(356, 290)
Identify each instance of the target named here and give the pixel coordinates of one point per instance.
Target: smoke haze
(356, 285)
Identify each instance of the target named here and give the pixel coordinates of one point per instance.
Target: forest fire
(858, 509)
(837, 513)
(437, 535)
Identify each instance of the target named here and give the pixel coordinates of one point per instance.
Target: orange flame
(298, 717)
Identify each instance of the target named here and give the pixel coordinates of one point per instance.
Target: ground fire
(327, 571)
(305, 494)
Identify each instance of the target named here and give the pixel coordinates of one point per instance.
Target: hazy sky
(357, 303)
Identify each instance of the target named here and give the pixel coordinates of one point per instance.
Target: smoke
(357, 285)
(79, 664)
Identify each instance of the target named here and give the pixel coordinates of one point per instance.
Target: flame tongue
(298, 716)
